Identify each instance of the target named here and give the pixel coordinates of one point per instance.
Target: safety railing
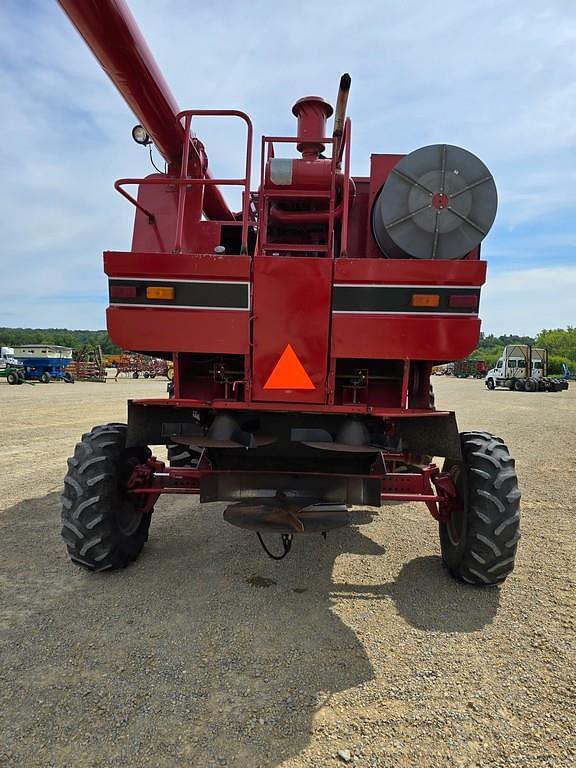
(340, 153)
(185, 182)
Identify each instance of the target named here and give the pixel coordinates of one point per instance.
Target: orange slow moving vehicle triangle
(289, 373)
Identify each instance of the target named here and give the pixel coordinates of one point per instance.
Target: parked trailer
(45, 362)
(470, 368)
(303, 331)
(523, 368)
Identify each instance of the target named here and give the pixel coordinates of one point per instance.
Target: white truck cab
(8, 358)
(522, 368)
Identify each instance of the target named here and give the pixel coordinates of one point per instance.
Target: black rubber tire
(479, 544)
(68, 378)
(12, 378)
(45, 378)
(519, 385)
(531, 385)
(490, 384)
(21, 377)
(146, 375)
(182, 455)
(135, 375)
(102, 528)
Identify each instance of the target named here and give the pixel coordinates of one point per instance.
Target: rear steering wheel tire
(519, 385)
(479, 541)
(183, 456)
(531, 385)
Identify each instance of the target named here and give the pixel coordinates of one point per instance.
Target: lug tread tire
(181, 456)
(91, 498)
(490, 532)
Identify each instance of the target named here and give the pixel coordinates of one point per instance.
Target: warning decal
(289, 373)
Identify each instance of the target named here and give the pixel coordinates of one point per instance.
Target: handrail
(184, 181)
(340, 149)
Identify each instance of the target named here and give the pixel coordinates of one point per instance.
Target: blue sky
(495, 76)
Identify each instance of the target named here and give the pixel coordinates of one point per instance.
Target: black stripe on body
(398, 298)
(208, 294)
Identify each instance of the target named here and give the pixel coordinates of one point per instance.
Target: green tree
(559, 341)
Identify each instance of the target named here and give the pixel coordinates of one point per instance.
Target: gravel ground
(206, 653)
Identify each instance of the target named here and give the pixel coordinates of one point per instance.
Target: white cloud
(525, 301)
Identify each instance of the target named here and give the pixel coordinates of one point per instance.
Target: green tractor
(10, 369)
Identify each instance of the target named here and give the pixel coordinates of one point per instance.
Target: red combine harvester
(303, 331)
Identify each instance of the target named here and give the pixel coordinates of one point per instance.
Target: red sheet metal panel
(292, 305)
(404, 337)
(155, 265)
(167, 329)
(410, 272)
(159, 329)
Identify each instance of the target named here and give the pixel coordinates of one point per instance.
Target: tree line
(19, 337)
(560, 343)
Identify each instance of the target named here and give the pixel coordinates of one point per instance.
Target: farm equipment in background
(87, 364)
(523, 368)
(11, 369)
(45, 362)
(136, 365)
(303, 331)
(470, 368)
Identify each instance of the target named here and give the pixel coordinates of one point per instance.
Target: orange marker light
(159, 292)
(425, 300)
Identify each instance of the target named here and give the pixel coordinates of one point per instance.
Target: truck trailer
(303, 329)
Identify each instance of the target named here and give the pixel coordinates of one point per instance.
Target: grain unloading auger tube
(303, 331)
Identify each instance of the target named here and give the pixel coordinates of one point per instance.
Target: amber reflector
(159, 292)
(425, 300)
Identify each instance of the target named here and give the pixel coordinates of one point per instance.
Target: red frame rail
(431, 486)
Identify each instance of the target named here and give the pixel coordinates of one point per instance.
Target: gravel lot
(206, 653)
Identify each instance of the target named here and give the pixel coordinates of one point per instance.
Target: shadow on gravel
(204, 652)
(430, 599)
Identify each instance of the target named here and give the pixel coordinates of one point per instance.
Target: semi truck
(523, 368)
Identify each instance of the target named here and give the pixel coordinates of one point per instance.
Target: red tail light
(463, 301)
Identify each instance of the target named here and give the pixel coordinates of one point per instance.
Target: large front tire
(490, 383)
(479, 541)
(101, 525)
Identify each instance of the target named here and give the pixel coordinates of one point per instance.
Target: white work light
(140, 135)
